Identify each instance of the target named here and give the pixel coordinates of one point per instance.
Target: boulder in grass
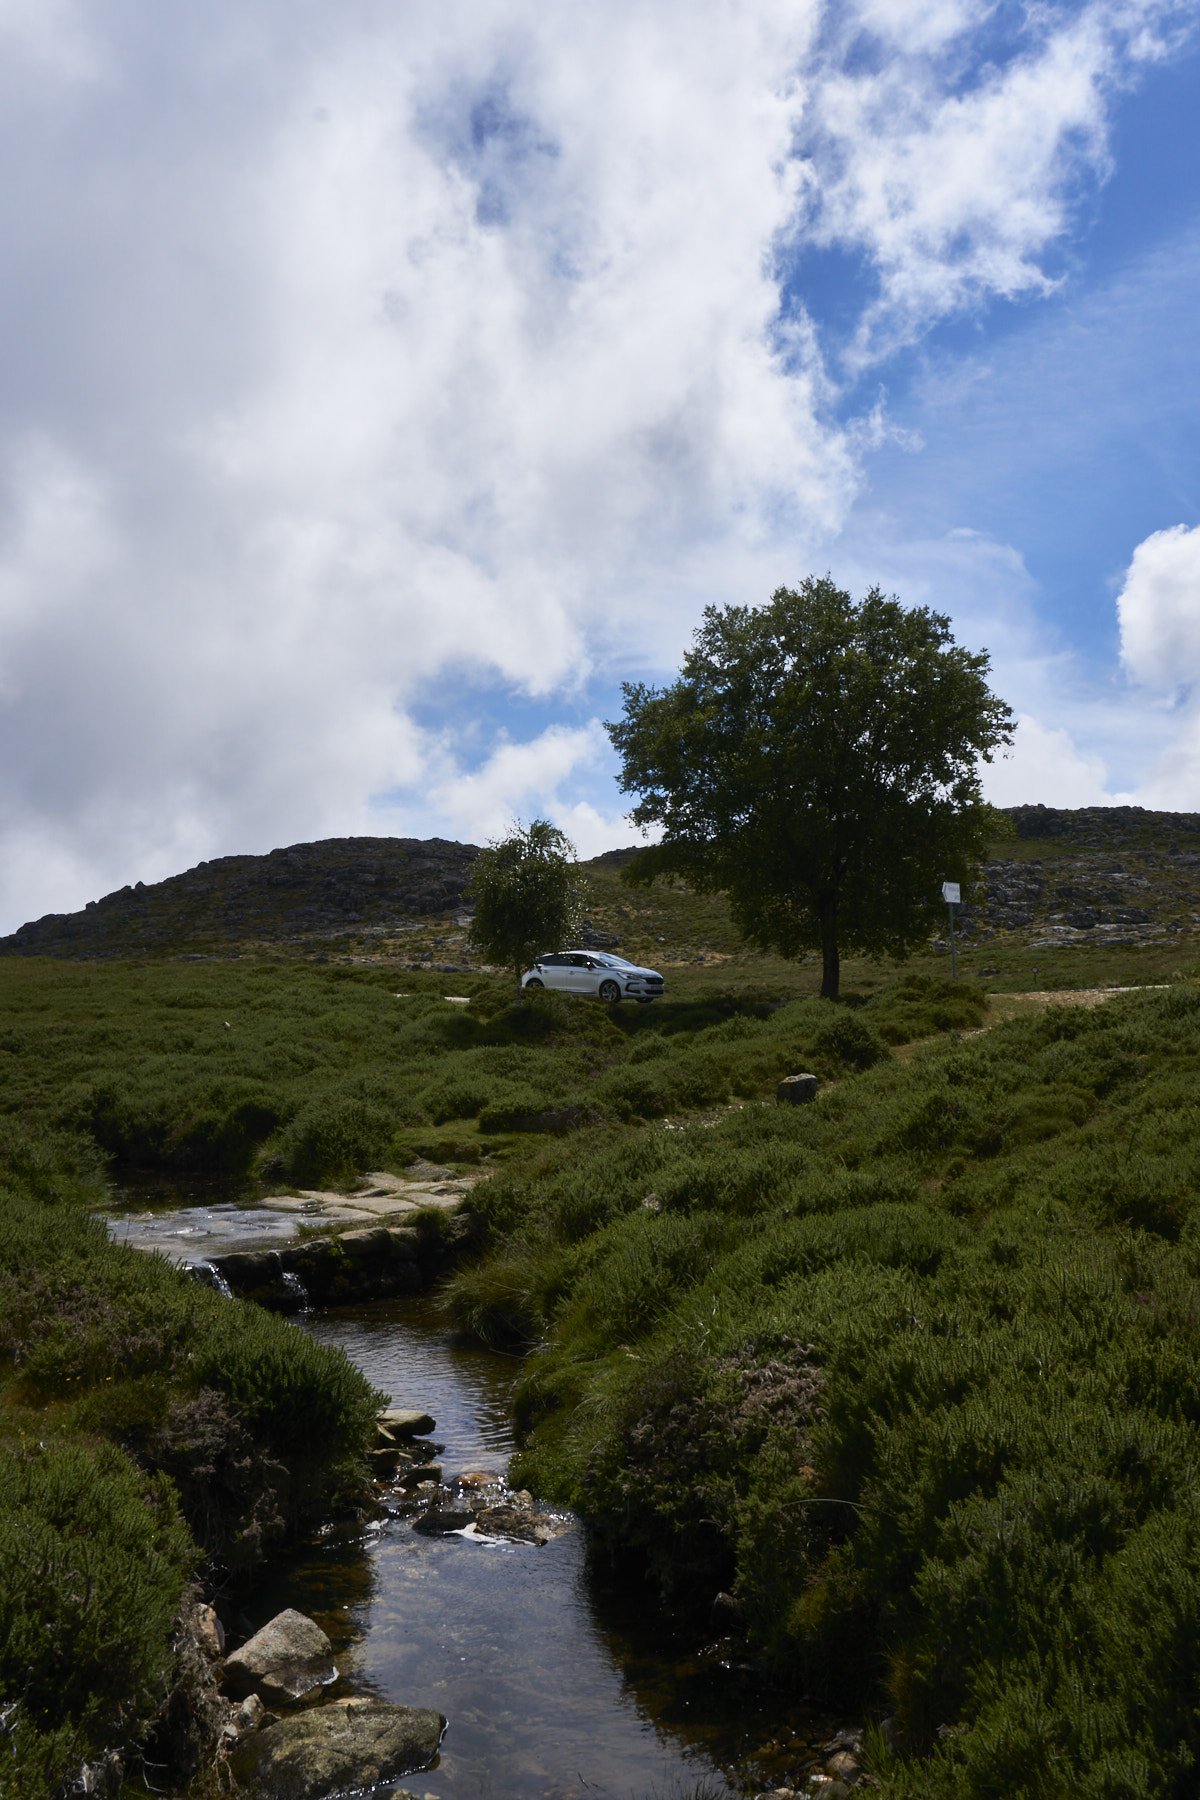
(796, 1090)
(344, 1745)
(288, 1659)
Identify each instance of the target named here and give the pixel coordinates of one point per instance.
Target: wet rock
(288, 1659)
(248, 1716)
(418, 1476)
(402, 1422)
(437, 1520)
(476, 1481)
(210, 1633)
(726, 1613)
(343, 1745)
(844, 1765)
(523, 1524)
(889, 1731)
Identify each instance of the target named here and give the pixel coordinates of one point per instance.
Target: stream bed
(553, 1685)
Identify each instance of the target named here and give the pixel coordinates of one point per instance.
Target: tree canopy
(817, 760)
(525, 894)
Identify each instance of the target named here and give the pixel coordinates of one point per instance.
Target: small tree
(525, 895)
(817, 760)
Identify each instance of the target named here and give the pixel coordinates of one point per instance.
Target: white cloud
(1045, 764)
(51, 37)
(1173, 783)
(546, 776)
(955, 178)
(373, 353)
(1159, 610)
(518, 780)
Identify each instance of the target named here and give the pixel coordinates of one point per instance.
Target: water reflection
(549, 1691)
(553, 1685)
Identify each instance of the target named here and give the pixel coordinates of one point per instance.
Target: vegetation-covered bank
(150, 1433)
(914, 1371)
(149, 1429)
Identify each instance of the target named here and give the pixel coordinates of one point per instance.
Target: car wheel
(534, 982)
(609, 991)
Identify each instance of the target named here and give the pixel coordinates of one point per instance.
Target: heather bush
(146, 1424)
(333, 1135)
(93, 1561)
(982, 1513)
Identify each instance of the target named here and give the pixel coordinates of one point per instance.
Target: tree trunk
(831, 969)
(520, 989)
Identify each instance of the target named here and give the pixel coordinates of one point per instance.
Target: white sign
(952, 893)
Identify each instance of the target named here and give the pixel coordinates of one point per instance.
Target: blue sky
(391, 382)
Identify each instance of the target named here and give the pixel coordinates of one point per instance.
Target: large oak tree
(818, 761)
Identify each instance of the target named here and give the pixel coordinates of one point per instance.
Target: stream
(553, 1686)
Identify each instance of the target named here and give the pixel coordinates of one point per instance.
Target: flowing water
(552, 1687)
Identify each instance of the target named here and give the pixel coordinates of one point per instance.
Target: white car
(594, 972)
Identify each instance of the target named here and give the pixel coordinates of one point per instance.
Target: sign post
(952, 895)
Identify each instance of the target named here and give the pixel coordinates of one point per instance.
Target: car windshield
(614, 962)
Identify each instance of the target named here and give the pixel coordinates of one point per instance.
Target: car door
(578, 978)
(550, 972)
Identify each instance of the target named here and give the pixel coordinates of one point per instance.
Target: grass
(300, 1075)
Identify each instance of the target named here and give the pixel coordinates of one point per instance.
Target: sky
(387, 383)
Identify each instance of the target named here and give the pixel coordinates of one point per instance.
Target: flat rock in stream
(343, 1746)
(288, 1659)
(403, 1422)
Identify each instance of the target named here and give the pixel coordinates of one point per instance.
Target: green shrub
(850, 1040)
(975, 1252)
(93, 1562)
(337, 1135)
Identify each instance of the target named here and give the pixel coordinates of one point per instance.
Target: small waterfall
(209, 1272)
(295, 1288)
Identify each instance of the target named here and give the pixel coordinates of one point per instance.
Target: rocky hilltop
(1092, 875)
(1101, 874)
(299, 897)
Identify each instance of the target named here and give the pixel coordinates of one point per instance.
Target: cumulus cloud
(1159, 610)
(1046, 762)
(524, 780)
(371, 352)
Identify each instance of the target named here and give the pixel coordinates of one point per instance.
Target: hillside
(1089, 882)
(297, 899)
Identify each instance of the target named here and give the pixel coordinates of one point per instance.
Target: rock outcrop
(379, 1263)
